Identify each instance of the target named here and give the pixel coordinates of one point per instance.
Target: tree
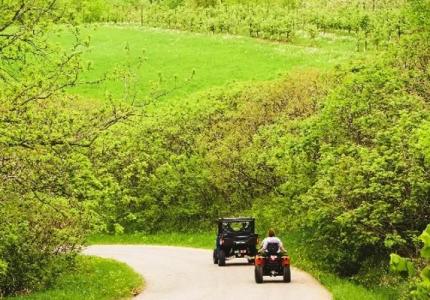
(46, 180)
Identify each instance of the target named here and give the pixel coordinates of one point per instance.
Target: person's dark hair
(271, 232)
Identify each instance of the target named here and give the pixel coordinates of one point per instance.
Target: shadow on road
(275, 281)
(243, 264)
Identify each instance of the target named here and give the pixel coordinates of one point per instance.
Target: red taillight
(259, 260)
(286, 260)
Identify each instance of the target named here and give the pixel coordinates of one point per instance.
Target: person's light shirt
(272, 239)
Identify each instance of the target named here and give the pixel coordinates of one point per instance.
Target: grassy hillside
(181, 63)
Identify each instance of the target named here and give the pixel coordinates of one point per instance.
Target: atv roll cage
(236, 238)
(230, 226)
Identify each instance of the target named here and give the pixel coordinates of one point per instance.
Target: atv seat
(272, 249)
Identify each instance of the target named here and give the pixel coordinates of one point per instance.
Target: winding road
(186, 273)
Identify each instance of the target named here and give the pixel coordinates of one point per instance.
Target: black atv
(272, 263)
(236, 238)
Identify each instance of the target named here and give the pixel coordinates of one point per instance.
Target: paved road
(189, 274)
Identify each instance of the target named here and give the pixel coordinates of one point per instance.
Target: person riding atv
(271, 239)
(272, 259)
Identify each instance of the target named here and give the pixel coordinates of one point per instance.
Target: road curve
(189, 274)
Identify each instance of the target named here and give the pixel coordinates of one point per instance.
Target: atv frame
(272, 263)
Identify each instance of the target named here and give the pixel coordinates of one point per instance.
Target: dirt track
(187, 273)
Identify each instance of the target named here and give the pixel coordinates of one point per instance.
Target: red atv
(272, 263)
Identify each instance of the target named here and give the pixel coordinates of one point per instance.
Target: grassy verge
(195, 240)
(93, 279)
(342, 289)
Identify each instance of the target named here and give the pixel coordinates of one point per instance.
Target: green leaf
(3, 267)
(425, 238)
(397, 263)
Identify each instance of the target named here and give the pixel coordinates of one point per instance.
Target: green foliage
(47, 186)
(40, 244)
(338, 157)
(3, 267)
(368, 181)
(420, 286)
(342, 158)
(422, 290)
(170, 172)
(202, 3)
(373, 25)
(401, 265)
(425, 238)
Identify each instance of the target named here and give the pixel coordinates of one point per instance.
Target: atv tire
(215, 256)
(221, 258)
(287, 274)
(258, 272)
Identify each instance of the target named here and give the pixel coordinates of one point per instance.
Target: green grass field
(93, 279)
(178, 64)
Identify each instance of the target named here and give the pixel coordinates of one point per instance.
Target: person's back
(272, 239)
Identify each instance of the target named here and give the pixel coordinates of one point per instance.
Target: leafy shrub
(37, 243)
(420, 285)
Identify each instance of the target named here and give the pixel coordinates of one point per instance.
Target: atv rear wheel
(215, 256)
(287, 274)
(221, 258)
(258, 272)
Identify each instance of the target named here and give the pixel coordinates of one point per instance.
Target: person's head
(271, 232)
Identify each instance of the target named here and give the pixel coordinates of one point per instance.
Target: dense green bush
(37, 242)
(369, 178)
(170, 172)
